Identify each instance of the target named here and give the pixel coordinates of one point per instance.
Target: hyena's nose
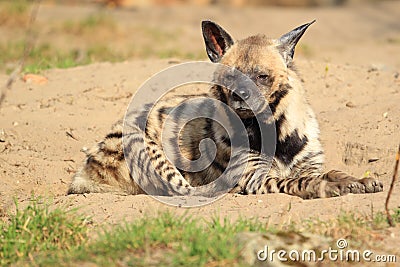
(241, 94)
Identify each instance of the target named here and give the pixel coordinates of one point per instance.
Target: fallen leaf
(34, 78)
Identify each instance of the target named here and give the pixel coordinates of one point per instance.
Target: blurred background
(68, 33)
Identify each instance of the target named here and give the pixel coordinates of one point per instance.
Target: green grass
(37, 236)
(36, 229)
(94, 22)
(44, 56)
(165, 240)
(87, 37)
(44, 237)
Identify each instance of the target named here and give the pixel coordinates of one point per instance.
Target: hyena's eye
(262, 78)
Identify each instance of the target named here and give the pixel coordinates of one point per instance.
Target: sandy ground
(350, 71)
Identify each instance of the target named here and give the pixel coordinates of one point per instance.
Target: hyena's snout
(242, 94)
(245, 98)
(240, 97)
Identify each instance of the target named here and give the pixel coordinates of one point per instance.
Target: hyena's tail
(104, 169)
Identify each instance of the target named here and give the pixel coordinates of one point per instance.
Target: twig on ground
(27, 49)
(70, 134)
(396, 167)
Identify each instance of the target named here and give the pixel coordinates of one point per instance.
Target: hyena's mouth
(239, 104)
(242, 109)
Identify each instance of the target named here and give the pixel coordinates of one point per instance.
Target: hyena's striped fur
(296, 167)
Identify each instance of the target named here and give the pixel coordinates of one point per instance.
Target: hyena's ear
(217, 40)
(288, 41)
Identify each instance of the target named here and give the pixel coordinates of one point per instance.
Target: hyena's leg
(308, 181)
(152, 170)
(329, 184)
(256, 178)
(337, 183)
(261, 177)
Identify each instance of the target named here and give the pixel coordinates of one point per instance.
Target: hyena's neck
(261, 133)
(289, 107)
(296, 126)
(253, 132)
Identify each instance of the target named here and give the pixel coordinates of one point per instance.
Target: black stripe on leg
(280, 187)
(160, 164)
(218, 166)
(161, 112)
(225, 139)
(290, 184)
(208, 127)
(170, 176)
(300, 183)
(156, 156)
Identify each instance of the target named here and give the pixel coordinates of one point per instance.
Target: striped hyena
(295, 168)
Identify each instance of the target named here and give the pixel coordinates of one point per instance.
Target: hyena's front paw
(371, 185)
(339, 184)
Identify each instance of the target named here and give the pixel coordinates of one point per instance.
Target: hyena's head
(264, 62)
